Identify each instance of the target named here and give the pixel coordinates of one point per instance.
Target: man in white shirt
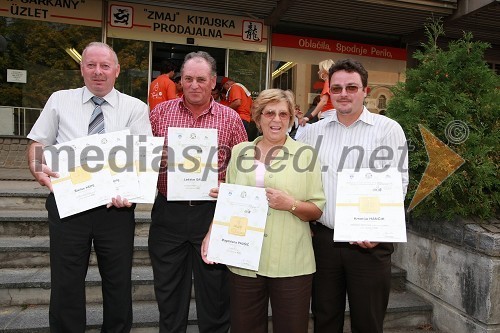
(361, 269)
(67, 115)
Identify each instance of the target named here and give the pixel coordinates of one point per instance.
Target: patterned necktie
(96, 124)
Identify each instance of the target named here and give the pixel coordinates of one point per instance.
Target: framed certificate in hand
(192, 163)
(238, 226)
(370, 206)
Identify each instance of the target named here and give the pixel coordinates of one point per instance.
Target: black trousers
(290, 299)
(251, 129)
(112, 233)
(365, 274)
(175, 237)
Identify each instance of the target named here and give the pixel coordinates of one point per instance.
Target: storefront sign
(334, 46)
(145, 22)
(81, 12)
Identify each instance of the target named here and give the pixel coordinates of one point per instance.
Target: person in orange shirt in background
(238, 98)
(218, 95)
(178, 85)
(324, 107)
(162, 88)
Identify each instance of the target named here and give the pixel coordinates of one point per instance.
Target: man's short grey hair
(201, 55)
(103, 45)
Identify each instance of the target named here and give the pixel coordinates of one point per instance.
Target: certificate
(86, 178)
(369, 206)
(147, 158)
(96, 168)
(238, 226)
(192, 163)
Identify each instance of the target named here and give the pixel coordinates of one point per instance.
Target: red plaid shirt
(174, 113)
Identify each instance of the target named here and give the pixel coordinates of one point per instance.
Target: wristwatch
(294, 207)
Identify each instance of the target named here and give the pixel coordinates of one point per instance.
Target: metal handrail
(22, 120)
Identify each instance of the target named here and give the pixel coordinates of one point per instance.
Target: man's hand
(365, 244)
(42, 173)
(204, 248)
(119, 202)
(214, 192)
(38, 168)
(303, 121)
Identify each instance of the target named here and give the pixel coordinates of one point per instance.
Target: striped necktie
(96, 124)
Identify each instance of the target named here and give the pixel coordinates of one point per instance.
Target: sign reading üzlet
(79, 12)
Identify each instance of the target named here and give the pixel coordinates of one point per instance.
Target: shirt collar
(291, 147)
(211, 107)
(111, 98)
(366, 116)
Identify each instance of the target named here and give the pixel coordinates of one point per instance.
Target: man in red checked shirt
(178, 227)
(239, 99)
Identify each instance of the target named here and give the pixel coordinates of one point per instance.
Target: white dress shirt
(67, 113)
(340, 147)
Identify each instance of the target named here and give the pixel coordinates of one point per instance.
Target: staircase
(25, 273)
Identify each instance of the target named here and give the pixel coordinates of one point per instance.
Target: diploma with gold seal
(238, 226)
(192, 163)
(369, 206)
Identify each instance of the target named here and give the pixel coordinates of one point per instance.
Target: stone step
(30, 196)
(31, 286)
(34, 223)
(405, 310)
(29, 252)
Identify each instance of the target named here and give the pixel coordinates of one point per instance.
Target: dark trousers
(365, 274)
(175, 237)
(251, 129)
(112, 232)
(290, 298)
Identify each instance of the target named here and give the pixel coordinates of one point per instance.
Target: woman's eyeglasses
(350, 89)
(271, 114)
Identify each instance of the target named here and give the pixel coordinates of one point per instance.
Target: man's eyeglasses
(271, 114)
(350, 89)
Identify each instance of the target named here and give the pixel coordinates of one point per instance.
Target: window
(382, 102)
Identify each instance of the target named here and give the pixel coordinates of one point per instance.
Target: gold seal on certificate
(238, 226)
(192, 163)
(370, 206)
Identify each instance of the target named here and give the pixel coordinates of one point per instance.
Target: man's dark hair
(350, 66)
(167, 67)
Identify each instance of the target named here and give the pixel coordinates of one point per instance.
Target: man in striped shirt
(350, 139)
(178, 227)
(66, 116)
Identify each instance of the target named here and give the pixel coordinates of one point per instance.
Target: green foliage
(248, 68)
(41, 52)
(450, 85)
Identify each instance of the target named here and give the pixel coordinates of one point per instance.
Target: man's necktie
(96, 124)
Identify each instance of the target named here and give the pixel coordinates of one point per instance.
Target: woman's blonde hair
(324, 67)
(272, 96)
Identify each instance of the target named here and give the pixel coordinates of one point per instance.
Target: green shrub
(453, 85)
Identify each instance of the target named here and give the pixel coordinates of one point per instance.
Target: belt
(191, 203)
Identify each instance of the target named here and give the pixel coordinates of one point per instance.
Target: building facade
(41, 43)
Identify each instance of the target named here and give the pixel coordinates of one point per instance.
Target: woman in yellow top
(291, 176)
